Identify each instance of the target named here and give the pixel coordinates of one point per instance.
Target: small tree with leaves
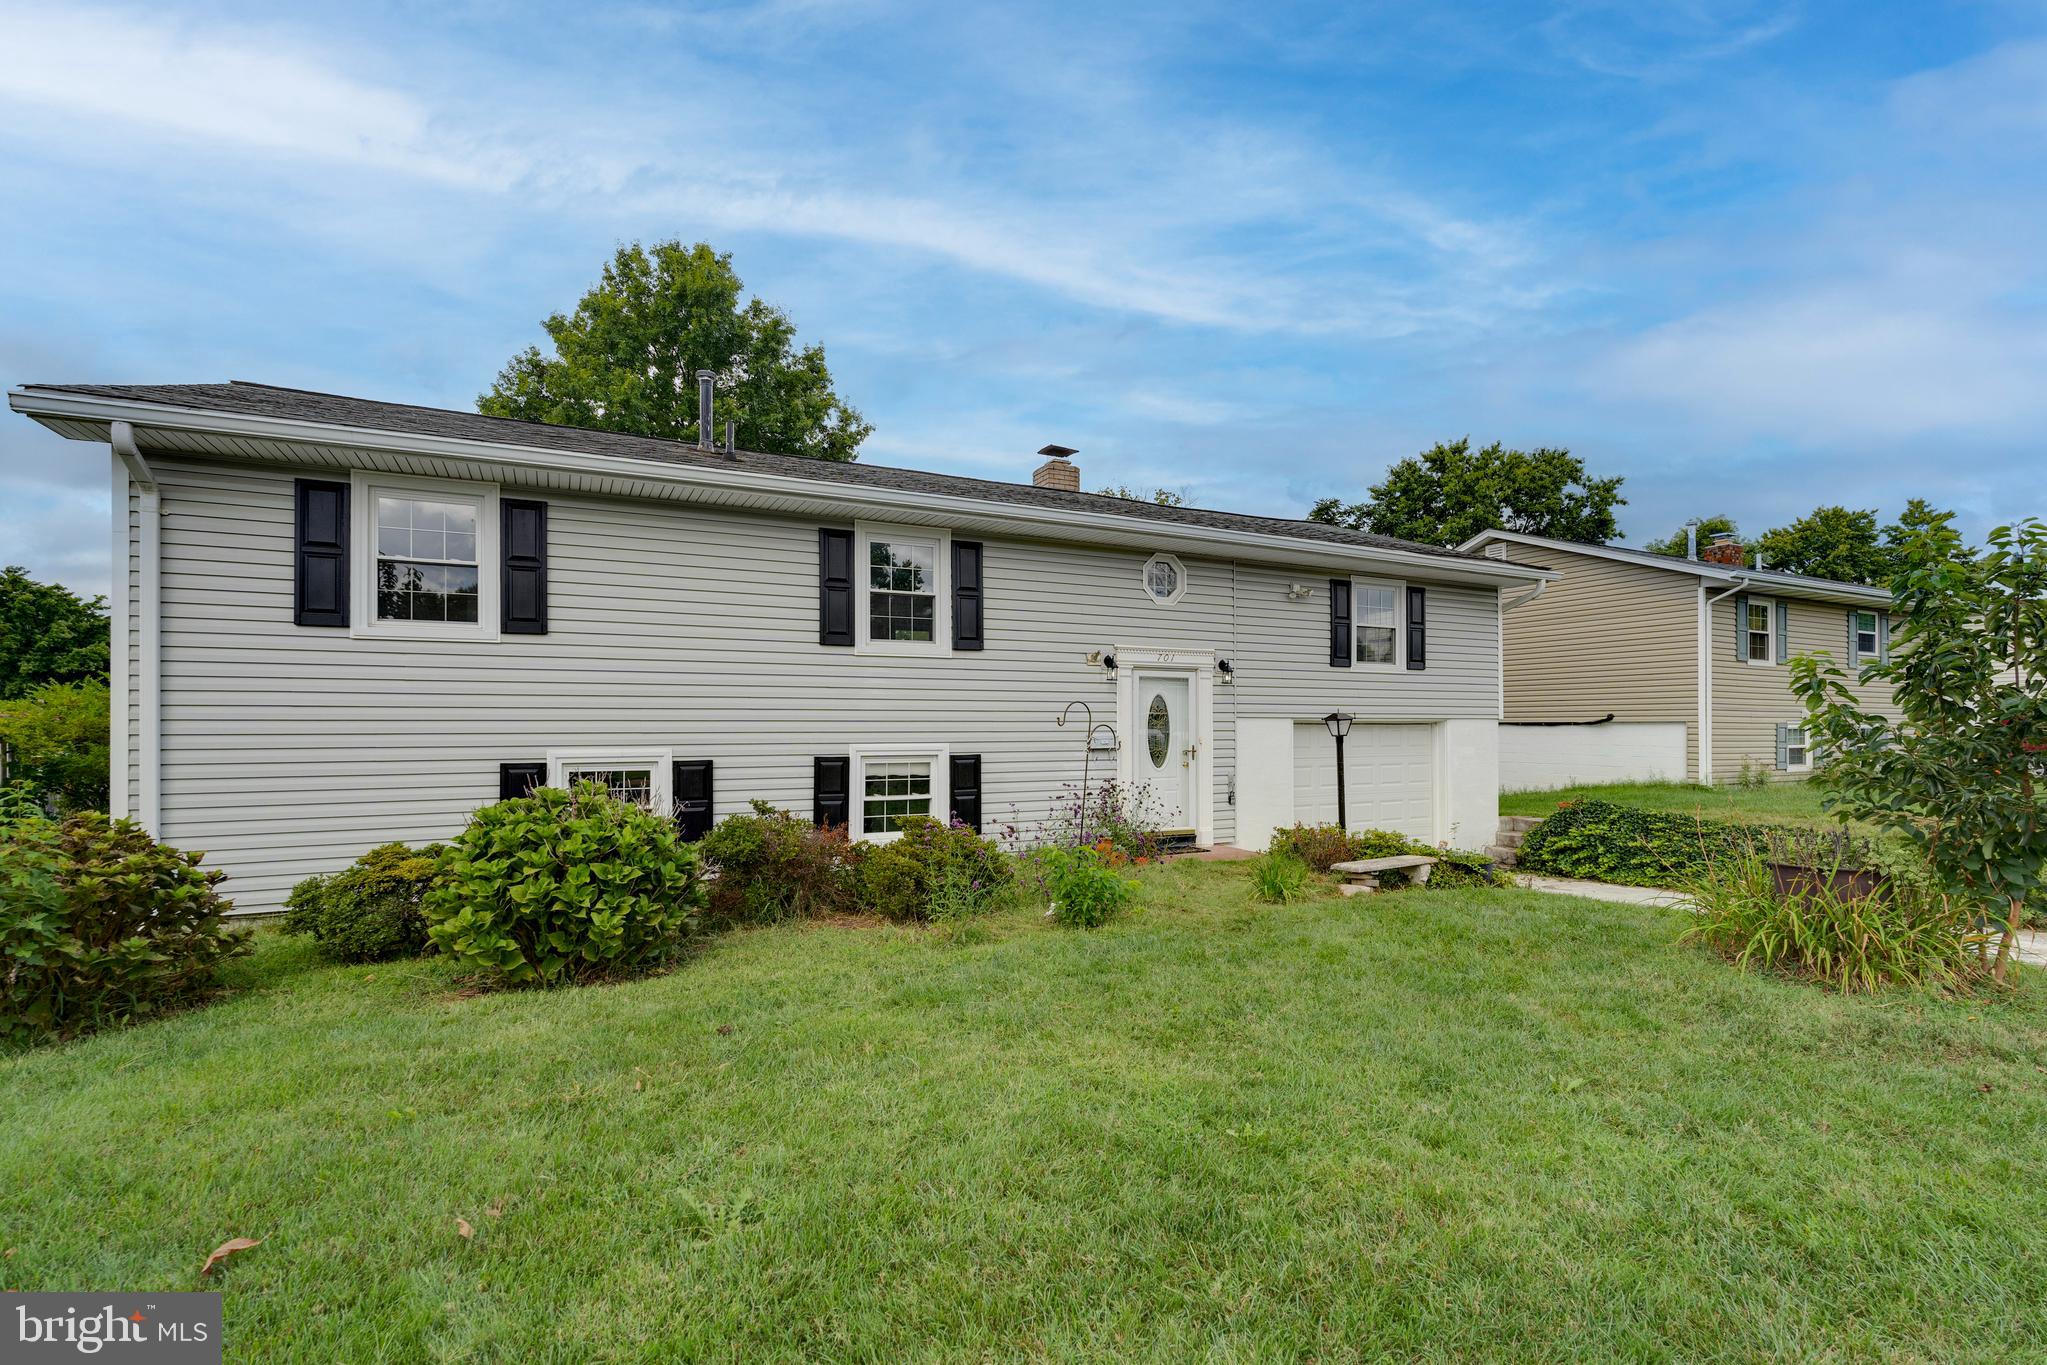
(1958, 770)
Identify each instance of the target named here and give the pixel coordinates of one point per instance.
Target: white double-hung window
(903, 580)
(1375, 607)
(890, 785)
(642, 777)
(426, 558)
(1759, 631)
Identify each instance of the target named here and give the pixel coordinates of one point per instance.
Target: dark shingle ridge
(306, 405)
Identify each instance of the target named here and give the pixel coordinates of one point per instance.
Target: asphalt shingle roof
(265, 400)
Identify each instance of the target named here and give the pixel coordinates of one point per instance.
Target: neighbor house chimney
(706, 440)
(1725, 549)
(1058, 470)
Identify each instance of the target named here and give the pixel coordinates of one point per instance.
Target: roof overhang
(1762, 580)
(217, 435)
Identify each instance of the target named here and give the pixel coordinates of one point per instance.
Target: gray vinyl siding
(1285, 669)
(1606, 637)
(288, 750)
(1751, 700)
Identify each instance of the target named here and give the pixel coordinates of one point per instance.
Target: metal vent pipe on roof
(706, 438)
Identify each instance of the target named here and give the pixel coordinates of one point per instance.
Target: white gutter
(845, 497)
(149, 649)
(1706, 678)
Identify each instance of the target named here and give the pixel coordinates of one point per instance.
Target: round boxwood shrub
(370, 910)
(932, 872)
(562, 886)
(100, 924)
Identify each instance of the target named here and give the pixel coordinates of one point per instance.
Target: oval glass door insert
(1158, 730)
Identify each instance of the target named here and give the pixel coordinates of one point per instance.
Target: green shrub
(1906, 934)
(564, 886)
(1323, 846)
(370, 910)
(1086, 892)
(772, 866)
(1605, 842)
(101, 924)
(932, 872)
(1279, 879)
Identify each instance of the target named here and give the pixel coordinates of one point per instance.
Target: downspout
(1706, 679)
(149, 607)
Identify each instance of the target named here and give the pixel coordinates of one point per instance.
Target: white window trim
(1876, 633)
(662, 761)
(1179, 588)
(1769, 606)
(362, 550)
(1399, 587)
(856, 798)
(866, 532)
(1806, 766)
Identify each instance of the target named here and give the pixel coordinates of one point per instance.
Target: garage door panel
(1389, 770)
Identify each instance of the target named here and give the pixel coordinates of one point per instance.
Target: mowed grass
(1789, 803)
(1443, 1124)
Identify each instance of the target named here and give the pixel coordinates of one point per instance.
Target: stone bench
(1362, 877)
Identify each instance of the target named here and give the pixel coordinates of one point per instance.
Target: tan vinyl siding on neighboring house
(1751, 700)
(1605, 637)
(290, 750)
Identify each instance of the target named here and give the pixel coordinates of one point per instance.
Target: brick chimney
(1058, 470)
(1725, 549)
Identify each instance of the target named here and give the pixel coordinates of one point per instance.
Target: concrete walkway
(1599, 891)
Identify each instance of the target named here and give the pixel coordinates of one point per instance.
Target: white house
(340, 622)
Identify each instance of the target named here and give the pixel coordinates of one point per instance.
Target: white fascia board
(848, 499)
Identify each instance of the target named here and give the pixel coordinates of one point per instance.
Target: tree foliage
(48, 634)
(1828, 542)
(1959, 770)
(626, 360)
(57, 743)
(1164, 497)
(1449, 493)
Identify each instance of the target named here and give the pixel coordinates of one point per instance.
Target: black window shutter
(1339, 623)
(519, 779)
(835, 588)
(523, 604)
(1417, 628)
(831, 780)
(966, 595)
(320, 575)
(691, 789)
(963, 783)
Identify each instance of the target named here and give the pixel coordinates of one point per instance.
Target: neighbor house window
(642, 778)
(1165, 578)
(1868, 640)
(1759, 631)
(1797, 755)
(903, 603)
(891, 787)
(1376, 608)
(426, 555)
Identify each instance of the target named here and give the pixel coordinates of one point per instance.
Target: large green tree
(48, 634)
(1828, 542)
(626, 360)
(1450, 492)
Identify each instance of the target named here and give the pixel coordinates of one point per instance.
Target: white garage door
(1390, 771)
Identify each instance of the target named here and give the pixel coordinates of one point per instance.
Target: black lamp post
(1339, 726)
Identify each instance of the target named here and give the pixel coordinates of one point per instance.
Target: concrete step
(1518, 824)
(1511, 838)
(1501, 854)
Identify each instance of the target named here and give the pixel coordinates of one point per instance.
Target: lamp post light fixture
(1339, 726)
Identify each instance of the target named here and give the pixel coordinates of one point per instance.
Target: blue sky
(1753, 256)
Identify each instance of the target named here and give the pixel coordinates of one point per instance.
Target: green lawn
(1793, 803)
(1431, 1124)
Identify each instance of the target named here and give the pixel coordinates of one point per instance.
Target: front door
(1164, 762)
